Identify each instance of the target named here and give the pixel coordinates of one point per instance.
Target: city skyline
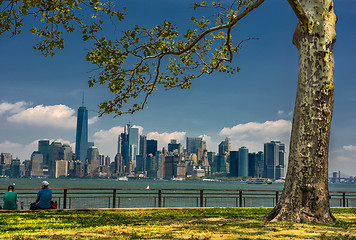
(40, 96)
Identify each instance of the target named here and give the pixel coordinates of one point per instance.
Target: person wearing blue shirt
(44, 197)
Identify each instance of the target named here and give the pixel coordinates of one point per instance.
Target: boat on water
(177, 179)
(122, 178)
(258, 181)
(211, 180)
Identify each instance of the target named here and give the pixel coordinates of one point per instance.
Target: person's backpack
(53, 205)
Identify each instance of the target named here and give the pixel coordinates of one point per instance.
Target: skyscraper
(44, 148)
(134, 143)
(81, 140)
(193, 144)
(174, 146)
(243, 161)
(196, 145)
(274, 154)
(234, 163)
(5, 158)
(55, 148)
(36, 164)
(151, 147)
(225, 147)
(129, 145)
(93, 158)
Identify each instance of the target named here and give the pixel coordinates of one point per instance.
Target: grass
(206, 223)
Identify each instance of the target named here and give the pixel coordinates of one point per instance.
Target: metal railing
(78, 198)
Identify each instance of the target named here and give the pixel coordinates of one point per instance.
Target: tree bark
(305, 196)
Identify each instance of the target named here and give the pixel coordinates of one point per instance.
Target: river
(162, 184)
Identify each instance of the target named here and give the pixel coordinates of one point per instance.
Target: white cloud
(253, 135)
(58, 116)
(280, 112)
(12, 107)
(349, 148)
(106, 140)
(93, 120)
(103, 136)
(165, 138)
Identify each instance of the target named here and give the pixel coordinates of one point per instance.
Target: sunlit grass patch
(202, 223)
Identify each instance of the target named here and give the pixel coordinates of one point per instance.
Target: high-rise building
(36, 164)
(225, 147)
(160, 158)
(193, 144)
(151, 166)
(140, 164)
(274, 157)
(220, 165)
(93, 158)
(65, 153)
(81, 140)
(243, 161)
(174, 146)
(107, 161)
(119, 166)
(123, 146)
(134, 143)
(129, 146)
(252, 164)
(143, 146)
(151, 147)
(170, 163)
(61, 169)
(55, 148)
(234, 163)
(260, 164)
(5, 158)
(44, 148)
(196, 145)
(15, 168)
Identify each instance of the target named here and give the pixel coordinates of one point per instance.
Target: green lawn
(206, 223)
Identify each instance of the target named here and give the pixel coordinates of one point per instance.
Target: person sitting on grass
(44, 197)
(10, 199)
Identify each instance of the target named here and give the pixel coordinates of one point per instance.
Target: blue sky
(39, 96)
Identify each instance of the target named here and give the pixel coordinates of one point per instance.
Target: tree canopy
(138, 61)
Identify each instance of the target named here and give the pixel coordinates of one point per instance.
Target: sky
(39, 96)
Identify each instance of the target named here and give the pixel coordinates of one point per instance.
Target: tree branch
(232, 22)
(299, 12)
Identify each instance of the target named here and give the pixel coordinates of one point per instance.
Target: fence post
(240, 198)
(201, 198)
(159, 198)
(114, 198)
(276, 197)
(65, 198)
(343, 199)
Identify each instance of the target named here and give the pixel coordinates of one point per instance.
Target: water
(175, 199)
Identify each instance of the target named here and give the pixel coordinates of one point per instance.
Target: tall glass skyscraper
(129, 145)
(243, 161)
(81, 140)
(274, 154)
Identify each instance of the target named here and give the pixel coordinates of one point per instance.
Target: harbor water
(181, 193)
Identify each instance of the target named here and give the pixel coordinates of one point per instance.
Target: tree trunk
(305, 196)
